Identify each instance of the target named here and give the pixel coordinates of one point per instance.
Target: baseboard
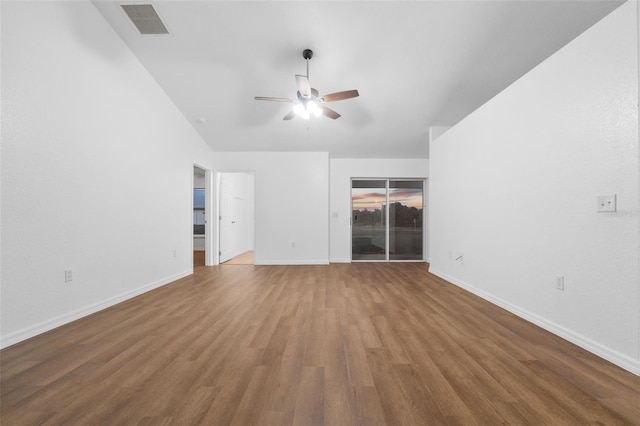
(44, 326)
(615, 357)
(291, 262)
(340, 260)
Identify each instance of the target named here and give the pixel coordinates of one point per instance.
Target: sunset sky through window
(370, 199)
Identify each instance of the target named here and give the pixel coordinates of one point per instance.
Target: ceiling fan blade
(269, 98)
(303, 85)
(289, 116)
(340, 96)
(329, 112)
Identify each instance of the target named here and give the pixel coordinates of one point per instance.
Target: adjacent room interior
(374, 212)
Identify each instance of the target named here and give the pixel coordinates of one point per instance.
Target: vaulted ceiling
(416, 64)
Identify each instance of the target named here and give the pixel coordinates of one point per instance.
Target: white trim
(44, 326)
(638, 68)
(615, 357)
(340, 260)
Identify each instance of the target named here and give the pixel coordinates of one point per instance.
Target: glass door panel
(368, 220)
(405, 220)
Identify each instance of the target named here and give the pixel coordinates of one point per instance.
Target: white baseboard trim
(615, 357)
(340, 260)
(44, 326)
(292, 262)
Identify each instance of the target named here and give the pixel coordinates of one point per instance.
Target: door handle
(233, 221)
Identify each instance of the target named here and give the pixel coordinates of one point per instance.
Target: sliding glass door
(368, 219)
(387, 219)
(406, 234)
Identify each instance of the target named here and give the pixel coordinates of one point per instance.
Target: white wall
(342, 170)
(97, 169)
(514, 189)
(198, 180)
(436, 131)
(291, 198)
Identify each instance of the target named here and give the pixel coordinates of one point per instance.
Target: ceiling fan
(308, 101)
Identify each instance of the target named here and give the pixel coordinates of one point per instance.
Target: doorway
(236, 217)
(387, 220)
(201, 197)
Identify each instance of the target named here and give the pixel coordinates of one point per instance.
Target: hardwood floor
(198, 260)
(245, 258)
(365, 344)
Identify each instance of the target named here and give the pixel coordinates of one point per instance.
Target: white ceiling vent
(145, 18)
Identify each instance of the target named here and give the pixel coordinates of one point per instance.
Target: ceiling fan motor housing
(304, 99)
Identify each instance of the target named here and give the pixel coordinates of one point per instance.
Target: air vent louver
(145, 18)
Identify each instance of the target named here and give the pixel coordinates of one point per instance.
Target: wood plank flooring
(245, 258)
(341, 344)
(198, 260)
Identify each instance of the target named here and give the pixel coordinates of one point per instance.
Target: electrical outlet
(68, 275)
(293, 244)
(560, 282)
(607, 203)
(174, 253)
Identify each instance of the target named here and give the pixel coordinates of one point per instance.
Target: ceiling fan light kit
(308, 102)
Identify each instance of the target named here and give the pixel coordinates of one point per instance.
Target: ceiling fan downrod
(307, 54)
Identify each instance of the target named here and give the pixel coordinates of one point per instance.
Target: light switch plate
(606, 203)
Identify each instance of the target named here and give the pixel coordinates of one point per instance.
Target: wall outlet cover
(607, 203)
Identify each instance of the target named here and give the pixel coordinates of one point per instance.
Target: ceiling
(416, 64)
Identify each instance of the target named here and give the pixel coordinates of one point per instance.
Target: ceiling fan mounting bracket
(307, 54)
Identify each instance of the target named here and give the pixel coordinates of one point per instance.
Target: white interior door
(227, 220)
(239, 228)
(234, 229)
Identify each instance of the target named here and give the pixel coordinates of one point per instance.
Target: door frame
(251, 221)
(208, 209)
(425, 239)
